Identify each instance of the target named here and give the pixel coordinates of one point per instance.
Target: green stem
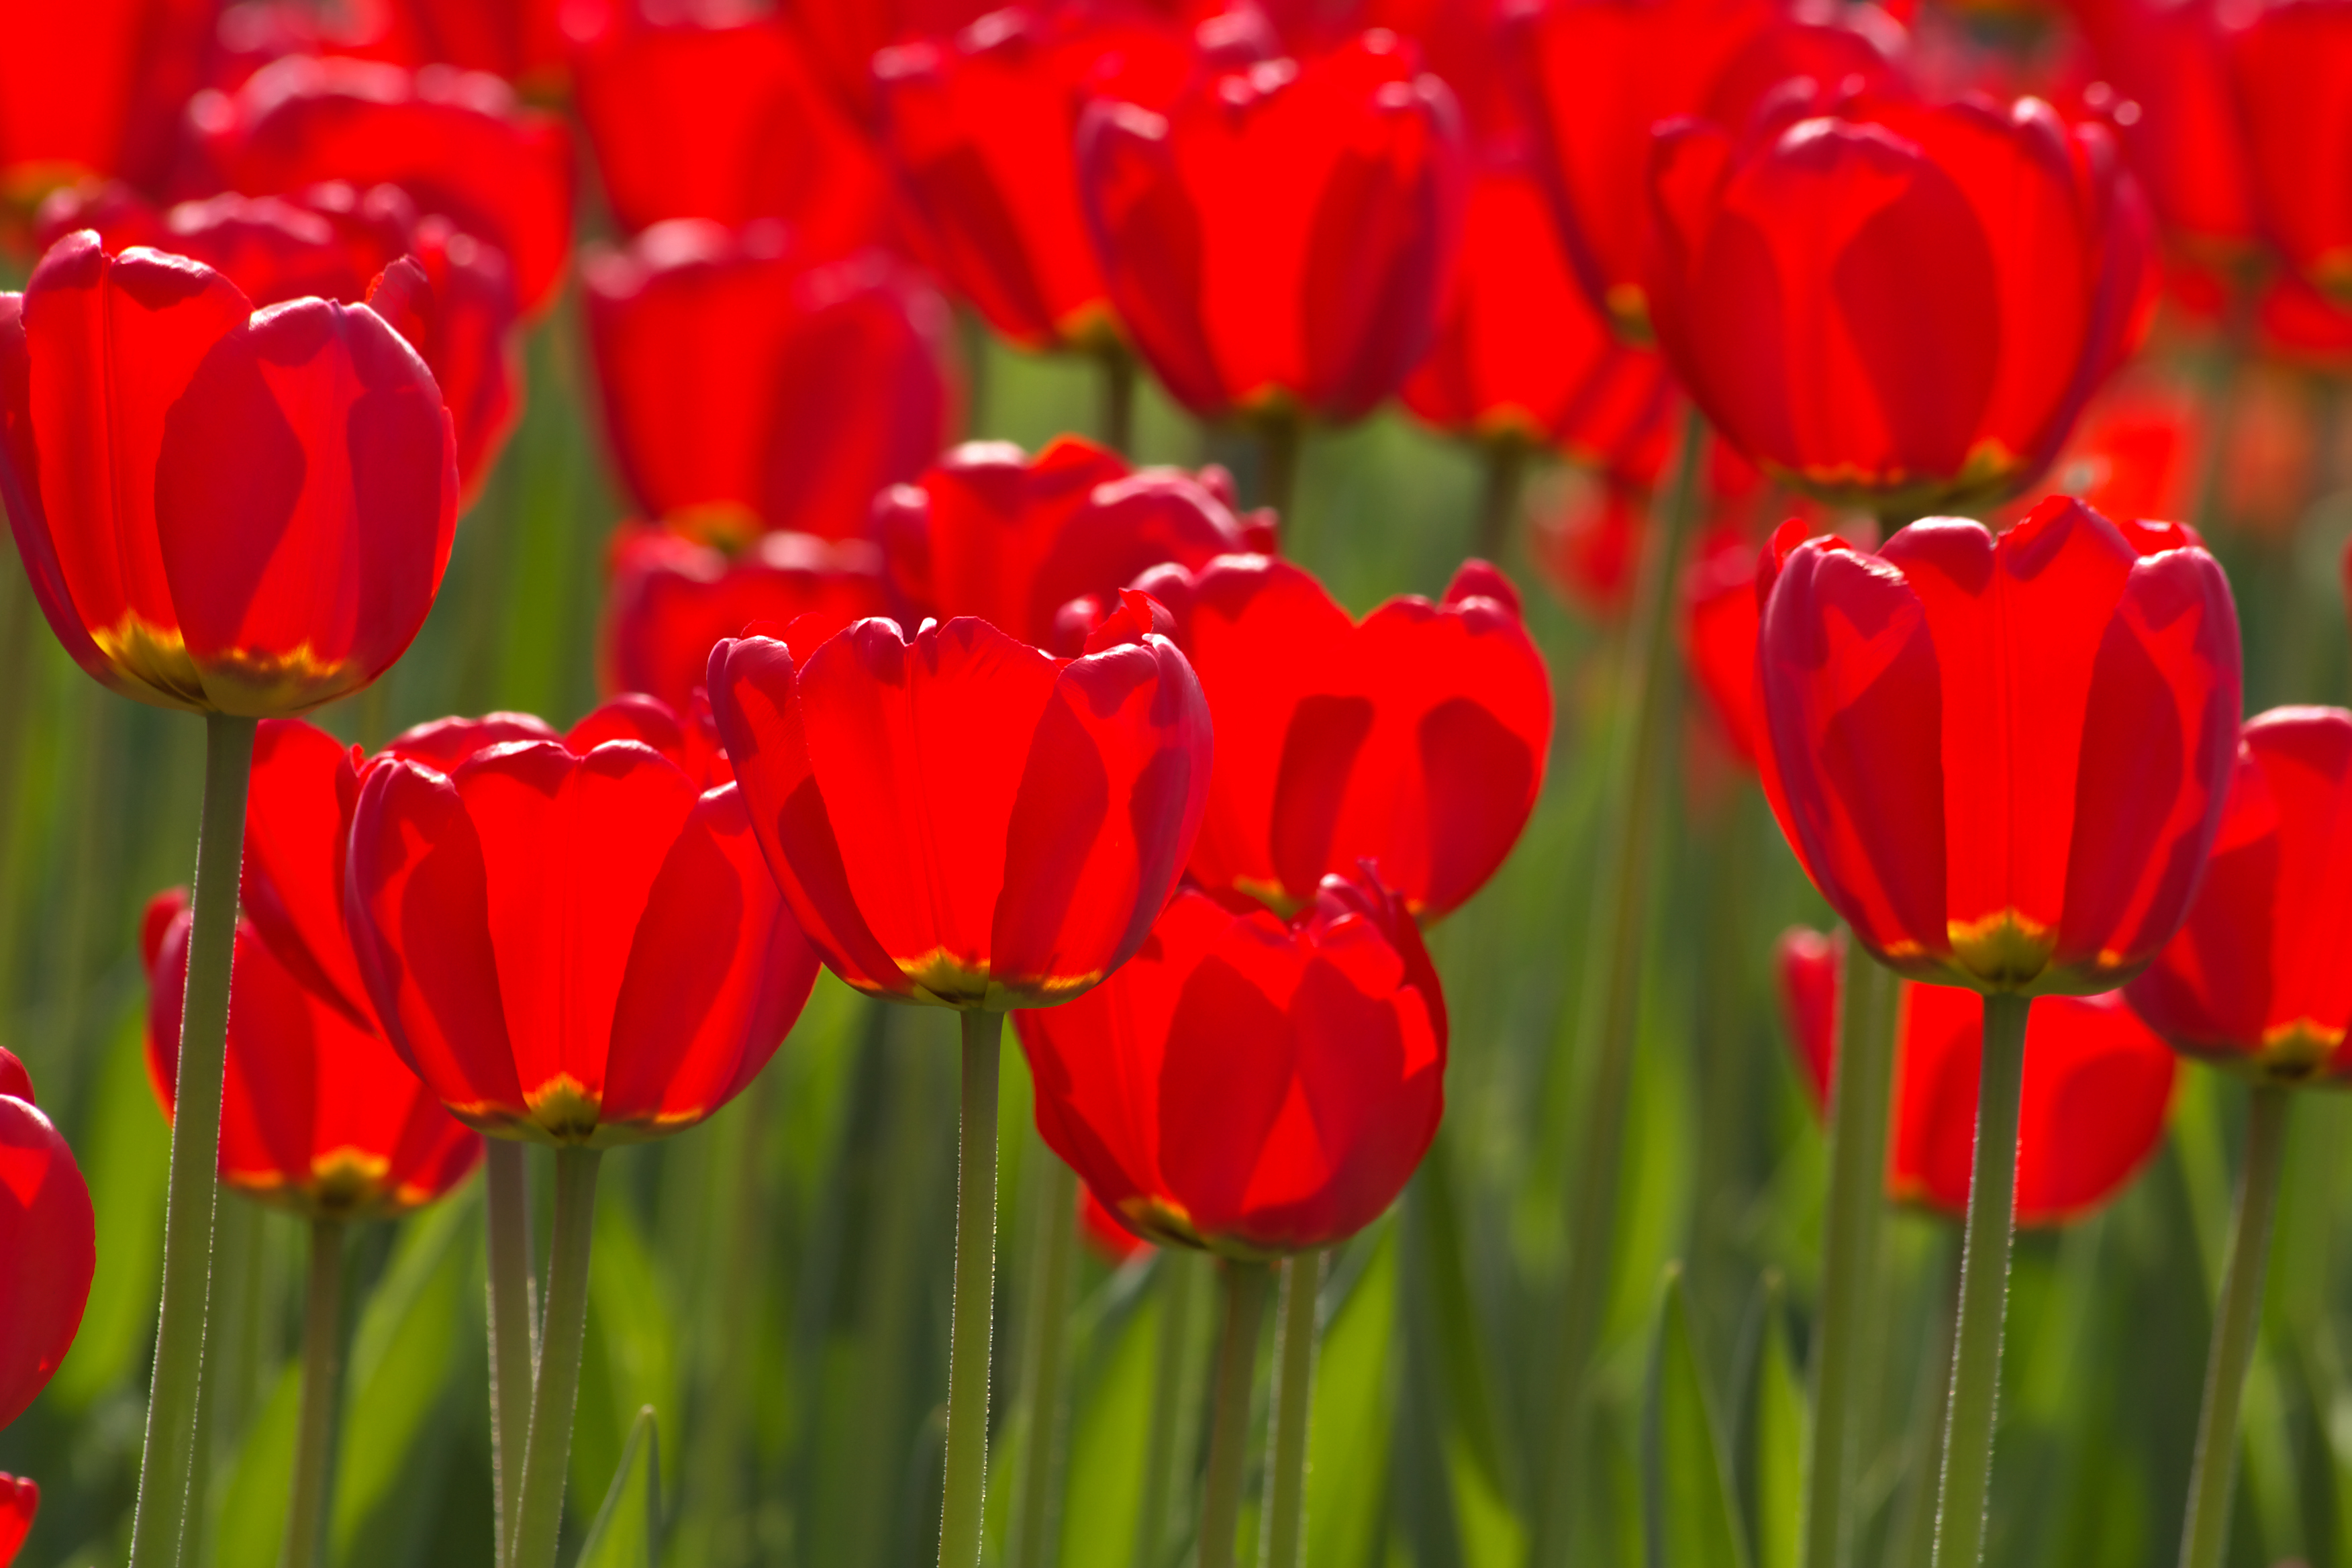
(1221, 1492)
(1984, 1290)
(1641, 722)
(172, 1404)
(1865, 1061)
(1178, 1267)
(514, 1357)
(322, 1376)
(1048, 1310)
(1118, 392)
(1293, 1410)
(547, 1451)
(1498, 499)
(975, 1295)
(2206, 1531)
(1278, 439)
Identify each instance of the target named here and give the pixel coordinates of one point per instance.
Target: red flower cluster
(48, 1236)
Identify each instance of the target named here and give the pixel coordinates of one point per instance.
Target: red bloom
(455, 140)
(96, 88)
(959, 818)
(1248, 1086)
(843, 37)
(455, 305)
(320, 1115)
(219, 509)
(2002, 761)
(981, 127)
(2097, 1087)
(49, 1237)
(1895, 306)
(521, 40)
(2292, 61)
(1719, 620)
(2185, 138)
(991, 532)
(564, 941)
(724, 119)
(1103, 1230)
(1588, 544)
(2260, 978)
(744, 389)
(671, 600)
(20, 1499)
(1281, 238)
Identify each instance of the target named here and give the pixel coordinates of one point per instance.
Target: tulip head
(20, 1499)
(48, 1234)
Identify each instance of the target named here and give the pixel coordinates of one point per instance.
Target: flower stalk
(539, 1503)
(322, 1377)
(975, 1295)
(1293, 1410)
(1221, 1493)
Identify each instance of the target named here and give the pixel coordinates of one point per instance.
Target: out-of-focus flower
(20, 1499)
(844, 36)
(745, 390)
(2292, 63)
(958, 818)
(1587, 541)
(2002, 761)
(1719, 620)
(521, 40)
(2183, 129)
(94, 90)
(49, 1237)
(991, 532)
(220, 509)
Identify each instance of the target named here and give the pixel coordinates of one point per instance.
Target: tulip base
(322, 1376)
(975, 1295)
(2237, 1319)
(514, 1353)
(1294, 1406)
(547, 1451)
(1984, 1290)
(1221, 1494)
(164, 1471)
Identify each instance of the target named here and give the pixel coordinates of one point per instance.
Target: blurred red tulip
(2002, 761)
(1413, 742)
(457, 142)
(958, 818)
(1281, 239)
(1720, 615)
(1587, 542)
(2292, 63)
(671, 600)
(220, 509)
(1106, 1232)
(564, 941)
(2183, 133)
(1461, 44)
(1593, 77)
(991, 532)
(95, 89)
(844, 36)
(2260, 978)
(745, 390)
(1895, 307)
(721, 117)
(20, 1499)
(320, 1115)
(981, 129)
(455, 307)
(49, 1237)
(2098, 1084)
(521, 40)
(1248, 1086)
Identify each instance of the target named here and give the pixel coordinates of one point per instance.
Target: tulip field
(1176, 784)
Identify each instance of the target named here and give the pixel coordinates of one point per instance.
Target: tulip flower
(1589, 543)
(95, 90)
(2098, 1084)
(724, 118)
(2290, 60)
(844, 36)
(745, 390)
(1719, 621)
(991, 532)
(521, 40)
(20, 1499)
(2184, 133)
(1413, 741)
(457, 142)
(1105, 1232)
(2002, 246)
(49, 1237)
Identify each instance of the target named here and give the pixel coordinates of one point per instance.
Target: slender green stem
(2211, 1478)
(1865, 1061)
(1048, 1311)
(1643, 712)
(322, 1377)
(1293, 1410)
(1178, 1268)
(1984, 1290)
(172, 1402)
(975, 1295)
(1221, 1493)
(514, 1355)
(1498, 499)
(1117, 391)
(1278, 440)
(539, 1503)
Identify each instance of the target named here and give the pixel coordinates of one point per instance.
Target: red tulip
(95, 89)
(844, 36)
(1897, 307)
(563, 941)
(2097, 1087)
(320, 1116)
(1104, 1231)
(521, 40)
(991, 532)
(2292, 62)
(746, 389)
(723, 118)
(455, 140)
(220, 509)
(979, 128)
(1720, 615)
(20, 1502)
(2184, 133)
(1460, 42)
(1280, 240)
(2002, 761)
(1413, 742)
(958, 818)
(1245, 1085)
(672, 599)
(2260, 978)
(1587, 542)
(455, 305)
(48, 1236)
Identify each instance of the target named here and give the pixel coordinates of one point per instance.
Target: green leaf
(1111, 1422)
(1355, 1400)
(1781, 1422)
(1693, 1521)
(627, 1529)
(252, 1528)
(633, 1349)
(126, 1157)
